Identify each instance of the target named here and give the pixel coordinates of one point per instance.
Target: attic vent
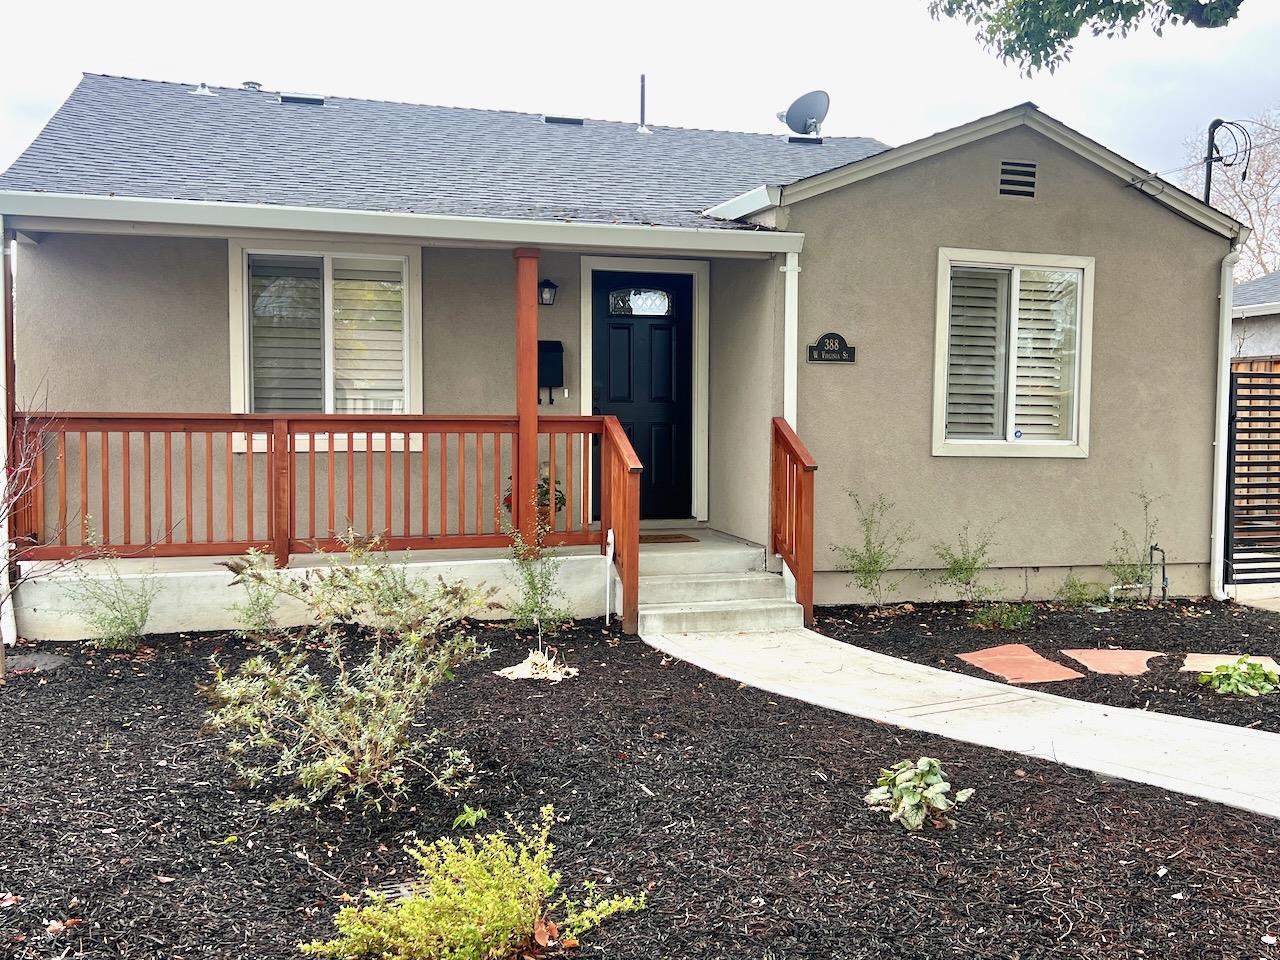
(313, 99)
(1017, 178)
(571, 121)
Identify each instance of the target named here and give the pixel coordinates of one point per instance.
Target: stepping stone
(19, 662)
(1018, 663)
(1206, 662)
(1116, 663)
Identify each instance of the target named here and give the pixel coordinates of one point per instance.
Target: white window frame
(238, 252)
(1078, 446)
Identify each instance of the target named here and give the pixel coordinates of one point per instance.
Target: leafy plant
(487, 898)
(257, 615)
(469, 816)
(1076, 592)
(540, 605)
(882, 543)
(964, 562)
(1004, 616)
(345, 732)
(1243, 678)
(542, 496)
(115, 609)
(915, 793)
(1130, 564)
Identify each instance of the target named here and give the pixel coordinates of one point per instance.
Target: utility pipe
(1217, 541)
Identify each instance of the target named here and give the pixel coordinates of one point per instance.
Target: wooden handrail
(791, 509)
(620, 471)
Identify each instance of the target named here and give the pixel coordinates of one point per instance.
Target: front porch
(179, 490)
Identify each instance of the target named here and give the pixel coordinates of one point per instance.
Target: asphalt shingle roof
(1264, 289)
(143, 138)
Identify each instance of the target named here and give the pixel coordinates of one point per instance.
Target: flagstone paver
(1018, 663)
(1116, 663)
(1206, 662)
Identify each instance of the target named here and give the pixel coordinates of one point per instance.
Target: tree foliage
(1037, 34)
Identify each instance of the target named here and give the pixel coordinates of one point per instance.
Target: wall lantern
(547, 292)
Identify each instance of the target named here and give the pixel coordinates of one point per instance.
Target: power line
(1200, 163)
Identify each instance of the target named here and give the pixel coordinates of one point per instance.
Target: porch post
(524, 487)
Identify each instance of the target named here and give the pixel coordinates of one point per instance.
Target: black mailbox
(550, 364)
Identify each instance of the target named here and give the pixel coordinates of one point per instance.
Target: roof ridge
(444, 106)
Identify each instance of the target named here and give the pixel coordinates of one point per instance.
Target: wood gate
(1252, 548)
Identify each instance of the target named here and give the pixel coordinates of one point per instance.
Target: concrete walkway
(1230, 765)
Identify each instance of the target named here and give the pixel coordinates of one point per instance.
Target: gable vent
(313, 99)
(1017, 178)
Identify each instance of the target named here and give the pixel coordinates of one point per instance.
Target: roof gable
(143, 139)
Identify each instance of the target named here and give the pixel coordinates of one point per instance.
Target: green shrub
(540, 606)
(115, 609)
(1130, 564)
(882, 543)
(964, 562)
(346, 732)
(1076, 592)
(915, 794)
(487, 898)
(1244, 678)
(257, 615)
(1004, 616)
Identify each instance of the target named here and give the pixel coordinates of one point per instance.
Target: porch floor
(706, 542)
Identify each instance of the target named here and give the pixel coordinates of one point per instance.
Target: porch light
(547, 292)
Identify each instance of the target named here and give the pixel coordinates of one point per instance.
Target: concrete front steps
(716, 584)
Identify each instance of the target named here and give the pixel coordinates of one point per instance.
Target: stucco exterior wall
(870, 272)
(1256, 336)
(745, 392)
(122, 323)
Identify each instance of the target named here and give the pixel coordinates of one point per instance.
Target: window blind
(286, 297)
(1045, 365)
(368, 336)
(977, 353)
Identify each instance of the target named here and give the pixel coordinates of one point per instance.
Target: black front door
(643, 374)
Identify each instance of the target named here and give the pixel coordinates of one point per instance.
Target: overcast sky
(726, 65)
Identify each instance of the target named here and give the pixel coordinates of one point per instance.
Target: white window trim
(1078, 448)
(238, 251)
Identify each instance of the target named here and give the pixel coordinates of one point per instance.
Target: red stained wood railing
(219, 484)
(791, 509)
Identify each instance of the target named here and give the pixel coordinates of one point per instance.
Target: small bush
(1076, 592)
(257, 615)
(540, 606)
(487, 898)
(1130, 564)
(115, 609)
(964, 562)
(1004, 616)
(882, 543)
(345, 732)
(1244, 678)
(915, 794)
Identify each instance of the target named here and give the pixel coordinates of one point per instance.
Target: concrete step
(719, 615)
(695, 559)
(683, 588)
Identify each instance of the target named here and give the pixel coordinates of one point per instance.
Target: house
(1255, 320)
(257, 318)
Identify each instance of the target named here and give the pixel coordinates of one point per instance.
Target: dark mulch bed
(740, 813)
(936, 633)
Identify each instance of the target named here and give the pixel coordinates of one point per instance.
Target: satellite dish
(805, 116)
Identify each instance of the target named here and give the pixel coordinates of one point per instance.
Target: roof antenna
(642, 128)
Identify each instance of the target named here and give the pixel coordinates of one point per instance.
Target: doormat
(667, 538)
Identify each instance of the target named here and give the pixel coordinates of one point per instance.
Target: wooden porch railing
(791, 510)
(216, 484)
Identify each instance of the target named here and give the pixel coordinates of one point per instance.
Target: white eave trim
(1024, 115)
(1255, 310)
(417, 226)
(754, 201)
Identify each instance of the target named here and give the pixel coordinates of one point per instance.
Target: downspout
(8, 621)
(1217, 544)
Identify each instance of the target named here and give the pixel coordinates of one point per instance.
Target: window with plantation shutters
(327, 334)
(1012, 366)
